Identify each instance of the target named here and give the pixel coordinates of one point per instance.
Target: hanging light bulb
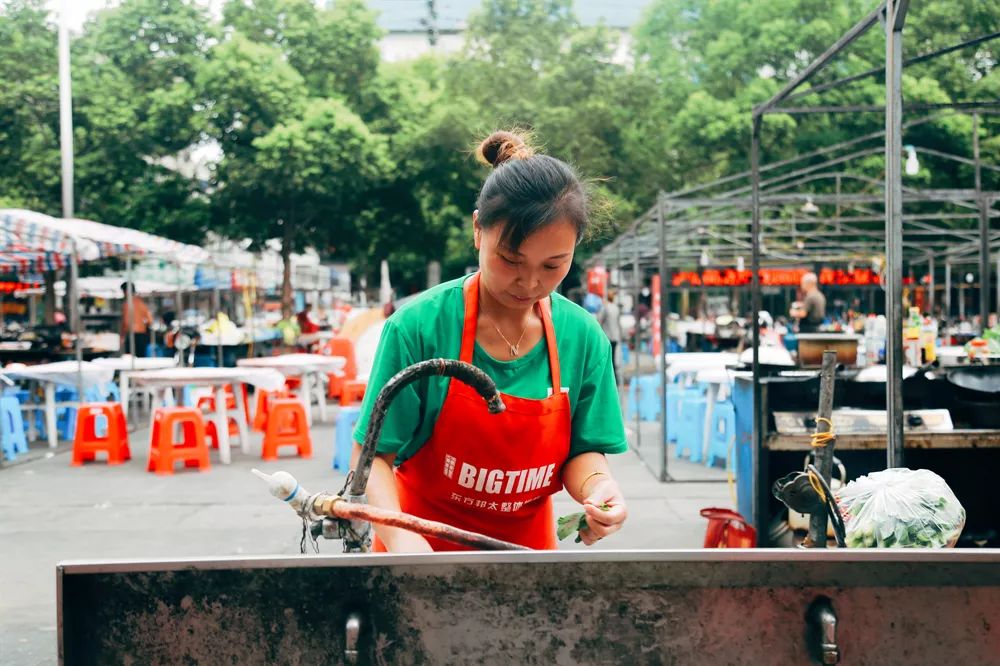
(912, 167)
(800, 244)
(703, 259)
(809, 208)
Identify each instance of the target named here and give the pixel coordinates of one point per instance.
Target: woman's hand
(601, 523)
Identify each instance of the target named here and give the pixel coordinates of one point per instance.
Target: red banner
(655, 289)
(597, 281)
(773, 277)
(11, 287)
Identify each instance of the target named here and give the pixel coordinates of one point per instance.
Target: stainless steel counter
(635, 607)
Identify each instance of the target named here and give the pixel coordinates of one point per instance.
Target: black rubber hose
(464, 372)
(839, 531)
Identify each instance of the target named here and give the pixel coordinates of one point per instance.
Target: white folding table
(310, 367)
(125, 365)
(216, 378)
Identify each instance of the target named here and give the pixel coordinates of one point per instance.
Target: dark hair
(527, 191)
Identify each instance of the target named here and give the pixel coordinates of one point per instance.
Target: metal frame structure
(942, 226)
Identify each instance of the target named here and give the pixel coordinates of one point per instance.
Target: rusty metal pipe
(463, 372)
(335, 506)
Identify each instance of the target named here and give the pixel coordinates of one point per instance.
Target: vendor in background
(306, 323)
(811, 310)
(141, 320)
(609, 317)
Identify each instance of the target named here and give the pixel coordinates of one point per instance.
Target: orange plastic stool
(212, 435)
(286, 426)
(334, 385)
(343, 347)
(206, 403)
(207, 406)
(264, 399)
(191, 450)
(351, 391)
(87, 443)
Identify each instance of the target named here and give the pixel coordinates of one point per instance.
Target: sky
(77, 10)
(403, 14)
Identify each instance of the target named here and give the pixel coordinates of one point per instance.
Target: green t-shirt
(430, 326)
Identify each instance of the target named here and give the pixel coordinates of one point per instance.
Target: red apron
(491, 473)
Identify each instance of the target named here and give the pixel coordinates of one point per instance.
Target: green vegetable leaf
(569, 524)
(574, 522)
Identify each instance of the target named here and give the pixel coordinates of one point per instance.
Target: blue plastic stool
(66, 416)
(691, 433)
(649, 397)
(347, 417)
(14, 439)
(674, 394)
(112, 392)
(24, 397)
(723, 434)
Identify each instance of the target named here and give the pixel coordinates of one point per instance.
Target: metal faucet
(821, 626)
(351, 637)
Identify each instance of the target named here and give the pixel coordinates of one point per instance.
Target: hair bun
(503, 146)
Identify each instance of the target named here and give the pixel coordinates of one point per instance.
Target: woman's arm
(588, 480)
(381, 493)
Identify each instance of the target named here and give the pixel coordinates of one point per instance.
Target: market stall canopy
(33, 242)
(94, 240)
(109, 288)
(133, 241)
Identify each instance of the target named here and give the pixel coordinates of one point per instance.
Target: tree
(335, 50)
(308, 177)
(29, 107)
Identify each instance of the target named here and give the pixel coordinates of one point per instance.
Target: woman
(441, 455)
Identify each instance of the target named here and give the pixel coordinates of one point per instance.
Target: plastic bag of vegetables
(900, 508)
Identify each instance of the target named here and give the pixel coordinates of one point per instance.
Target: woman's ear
(477, 231)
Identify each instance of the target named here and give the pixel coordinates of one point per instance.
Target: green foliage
(29, 107)
(325, 145)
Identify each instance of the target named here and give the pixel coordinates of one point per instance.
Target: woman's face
(517, 280)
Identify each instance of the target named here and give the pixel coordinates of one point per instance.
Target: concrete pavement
(53, 512)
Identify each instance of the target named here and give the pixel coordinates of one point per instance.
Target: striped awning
(40, 241)
(31, 242)
(135, 242)
(35, 261)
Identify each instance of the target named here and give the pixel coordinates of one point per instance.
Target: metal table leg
(50, 415)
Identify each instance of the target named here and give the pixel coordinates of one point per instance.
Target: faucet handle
(352, 636)
(821, 627)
